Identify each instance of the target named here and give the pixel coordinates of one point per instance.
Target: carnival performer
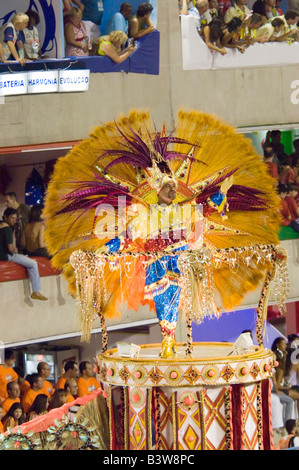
(105, 194)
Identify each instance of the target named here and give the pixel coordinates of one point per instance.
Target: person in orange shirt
(1, 424)
(71, 388)
(71, 370)
(87, 383)
(268, 159)
(23, 383)
(36, 387)
(13, 390)
(7, 374)
(43, 369)
(286, 218)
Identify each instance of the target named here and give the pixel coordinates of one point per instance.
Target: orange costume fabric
(1, 428)
(87, 386)
(7, 374)
(8, 402)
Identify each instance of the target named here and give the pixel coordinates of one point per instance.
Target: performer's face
(167, 194)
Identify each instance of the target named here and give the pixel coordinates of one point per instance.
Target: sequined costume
(130, 161)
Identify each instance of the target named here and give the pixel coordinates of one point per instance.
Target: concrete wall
(247, 97)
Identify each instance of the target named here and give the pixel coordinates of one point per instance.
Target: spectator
(44, 370)
(110, 46)
(58, 399)
(23, 212)
(197, 12)
(238, 9)
(36, 387)
(87, 383)
(277, 6)
(292, 439)
(39, 407)
(140, 24)
(273, 139)
(278, 34)
(71, 370)
(268, 159)
(212, 35)
(9, 253)
(291, 201)
(279, 347)
(292, 366)
(23, 383)
(212, 12)
(286, 218)
(1, 417)
(120, 20)
(76, 36)
(2, 56)
(12, 38)
(224, 5)
(266, 8)
(250, 29)
(294, 157)
(33, 235)
(68, 4)
(7, 373)
(231, 34)
(71, 387)
(13, 391)
(286, 172)
(31, 37)
(92, 17)
(15, 417)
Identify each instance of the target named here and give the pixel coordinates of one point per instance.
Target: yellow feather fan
(202, 152)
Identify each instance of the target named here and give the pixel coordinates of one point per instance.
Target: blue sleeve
(8, 34)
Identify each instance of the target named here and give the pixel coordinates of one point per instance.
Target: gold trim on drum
(188, 400)
(139, 374)
(266, 368)
(242, 371)
(210, 374)
(173, 375)
(111, 372)
(136, 397)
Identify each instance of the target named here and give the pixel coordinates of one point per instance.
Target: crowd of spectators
(216, 25)
(284, 169)
(22, 237)
(23, 398)
(83, 36)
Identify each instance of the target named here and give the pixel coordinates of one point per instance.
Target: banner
(55, 81)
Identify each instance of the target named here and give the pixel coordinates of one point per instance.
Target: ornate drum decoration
(214, 400)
